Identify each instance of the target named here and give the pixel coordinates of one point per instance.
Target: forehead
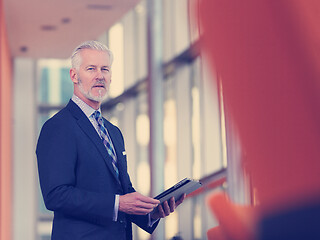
(94, 57)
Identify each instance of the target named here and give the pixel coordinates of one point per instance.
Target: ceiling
(53, 28)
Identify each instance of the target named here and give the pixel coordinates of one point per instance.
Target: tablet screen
(185, 186)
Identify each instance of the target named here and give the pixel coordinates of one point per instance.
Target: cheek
(87, 81)
(107, 85)
(108, 79)
(85, 84)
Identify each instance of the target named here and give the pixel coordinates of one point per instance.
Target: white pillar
(25, 189)
(155, 97)
(184, 146)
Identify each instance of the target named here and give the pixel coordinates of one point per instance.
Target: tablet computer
(186, 186)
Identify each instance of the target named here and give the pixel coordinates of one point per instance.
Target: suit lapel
(92, 134)
(118, 145)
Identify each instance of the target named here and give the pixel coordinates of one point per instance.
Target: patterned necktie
(106, 140)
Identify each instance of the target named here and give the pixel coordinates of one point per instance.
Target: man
(82, 162)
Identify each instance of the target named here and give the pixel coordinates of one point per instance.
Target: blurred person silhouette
(267, 54)
(82, 162)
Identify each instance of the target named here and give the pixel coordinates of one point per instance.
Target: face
(93, 78)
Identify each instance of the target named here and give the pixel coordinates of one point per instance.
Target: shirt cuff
(151, 221)
(116, 208)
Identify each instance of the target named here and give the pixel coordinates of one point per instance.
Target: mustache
(100, 82)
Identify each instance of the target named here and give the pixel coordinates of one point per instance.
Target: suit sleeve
(140, 220)
(57, 159)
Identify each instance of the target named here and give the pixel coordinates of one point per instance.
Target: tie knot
(97, 116)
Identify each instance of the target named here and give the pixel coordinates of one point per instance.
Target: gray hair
(95, 45)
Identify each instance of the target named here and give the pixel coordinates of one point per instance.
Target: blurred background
(162, 97)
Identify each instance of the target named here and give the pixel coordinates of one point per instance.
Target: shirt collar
(88, 111)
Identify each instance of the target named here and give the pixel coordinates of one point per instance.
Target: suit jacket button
(123, 222)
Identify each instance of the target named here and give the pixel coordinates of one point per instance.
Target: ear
(73, 75)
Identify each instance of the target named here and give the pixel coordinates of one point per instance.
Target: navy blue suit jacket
(77, 179)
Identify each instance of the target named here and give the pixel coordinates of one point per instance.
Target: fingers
(146, 203)
(135, 203)
(161, 212)
(148, 200)
(172, 204)
(166, 208)
(138, 211)
(180, 200)
(141, 204)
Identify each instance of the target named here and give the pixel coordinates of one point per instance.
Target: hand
(167, 208)
(136, 203)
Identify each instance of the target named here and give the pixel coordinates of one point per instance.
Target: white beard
(88, 94)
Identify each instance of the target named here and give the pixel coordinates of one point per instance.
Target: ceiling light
(65, 20)
(48, 27)
(23, 49)
(99, 7)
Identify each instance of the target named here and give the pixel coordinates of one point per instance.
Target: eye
(105, 69)
(90, 68)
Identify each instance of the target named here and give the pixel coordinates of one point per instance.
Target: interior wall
(5, 132)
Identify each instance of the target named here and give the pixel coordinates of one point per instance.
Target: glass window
(143, 138)
(55, 85)
(44, 229)
(170, 169)
(210, 118)
(168, 30)
(143, 167)
(196, 167)
(181, 27)
(197, 219)
(116, 46)
(170, 134)
(142, 155)
(44, 85)
(140, 40)
(129, 33)
(66, 85)
(194, 26)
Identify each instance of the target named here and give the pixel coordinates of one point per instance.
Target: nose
(99, 75)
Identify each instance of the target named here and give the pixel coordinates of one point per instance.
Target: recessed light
(48, 27)
(99, 7)
(23, 49)
(65, 20)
